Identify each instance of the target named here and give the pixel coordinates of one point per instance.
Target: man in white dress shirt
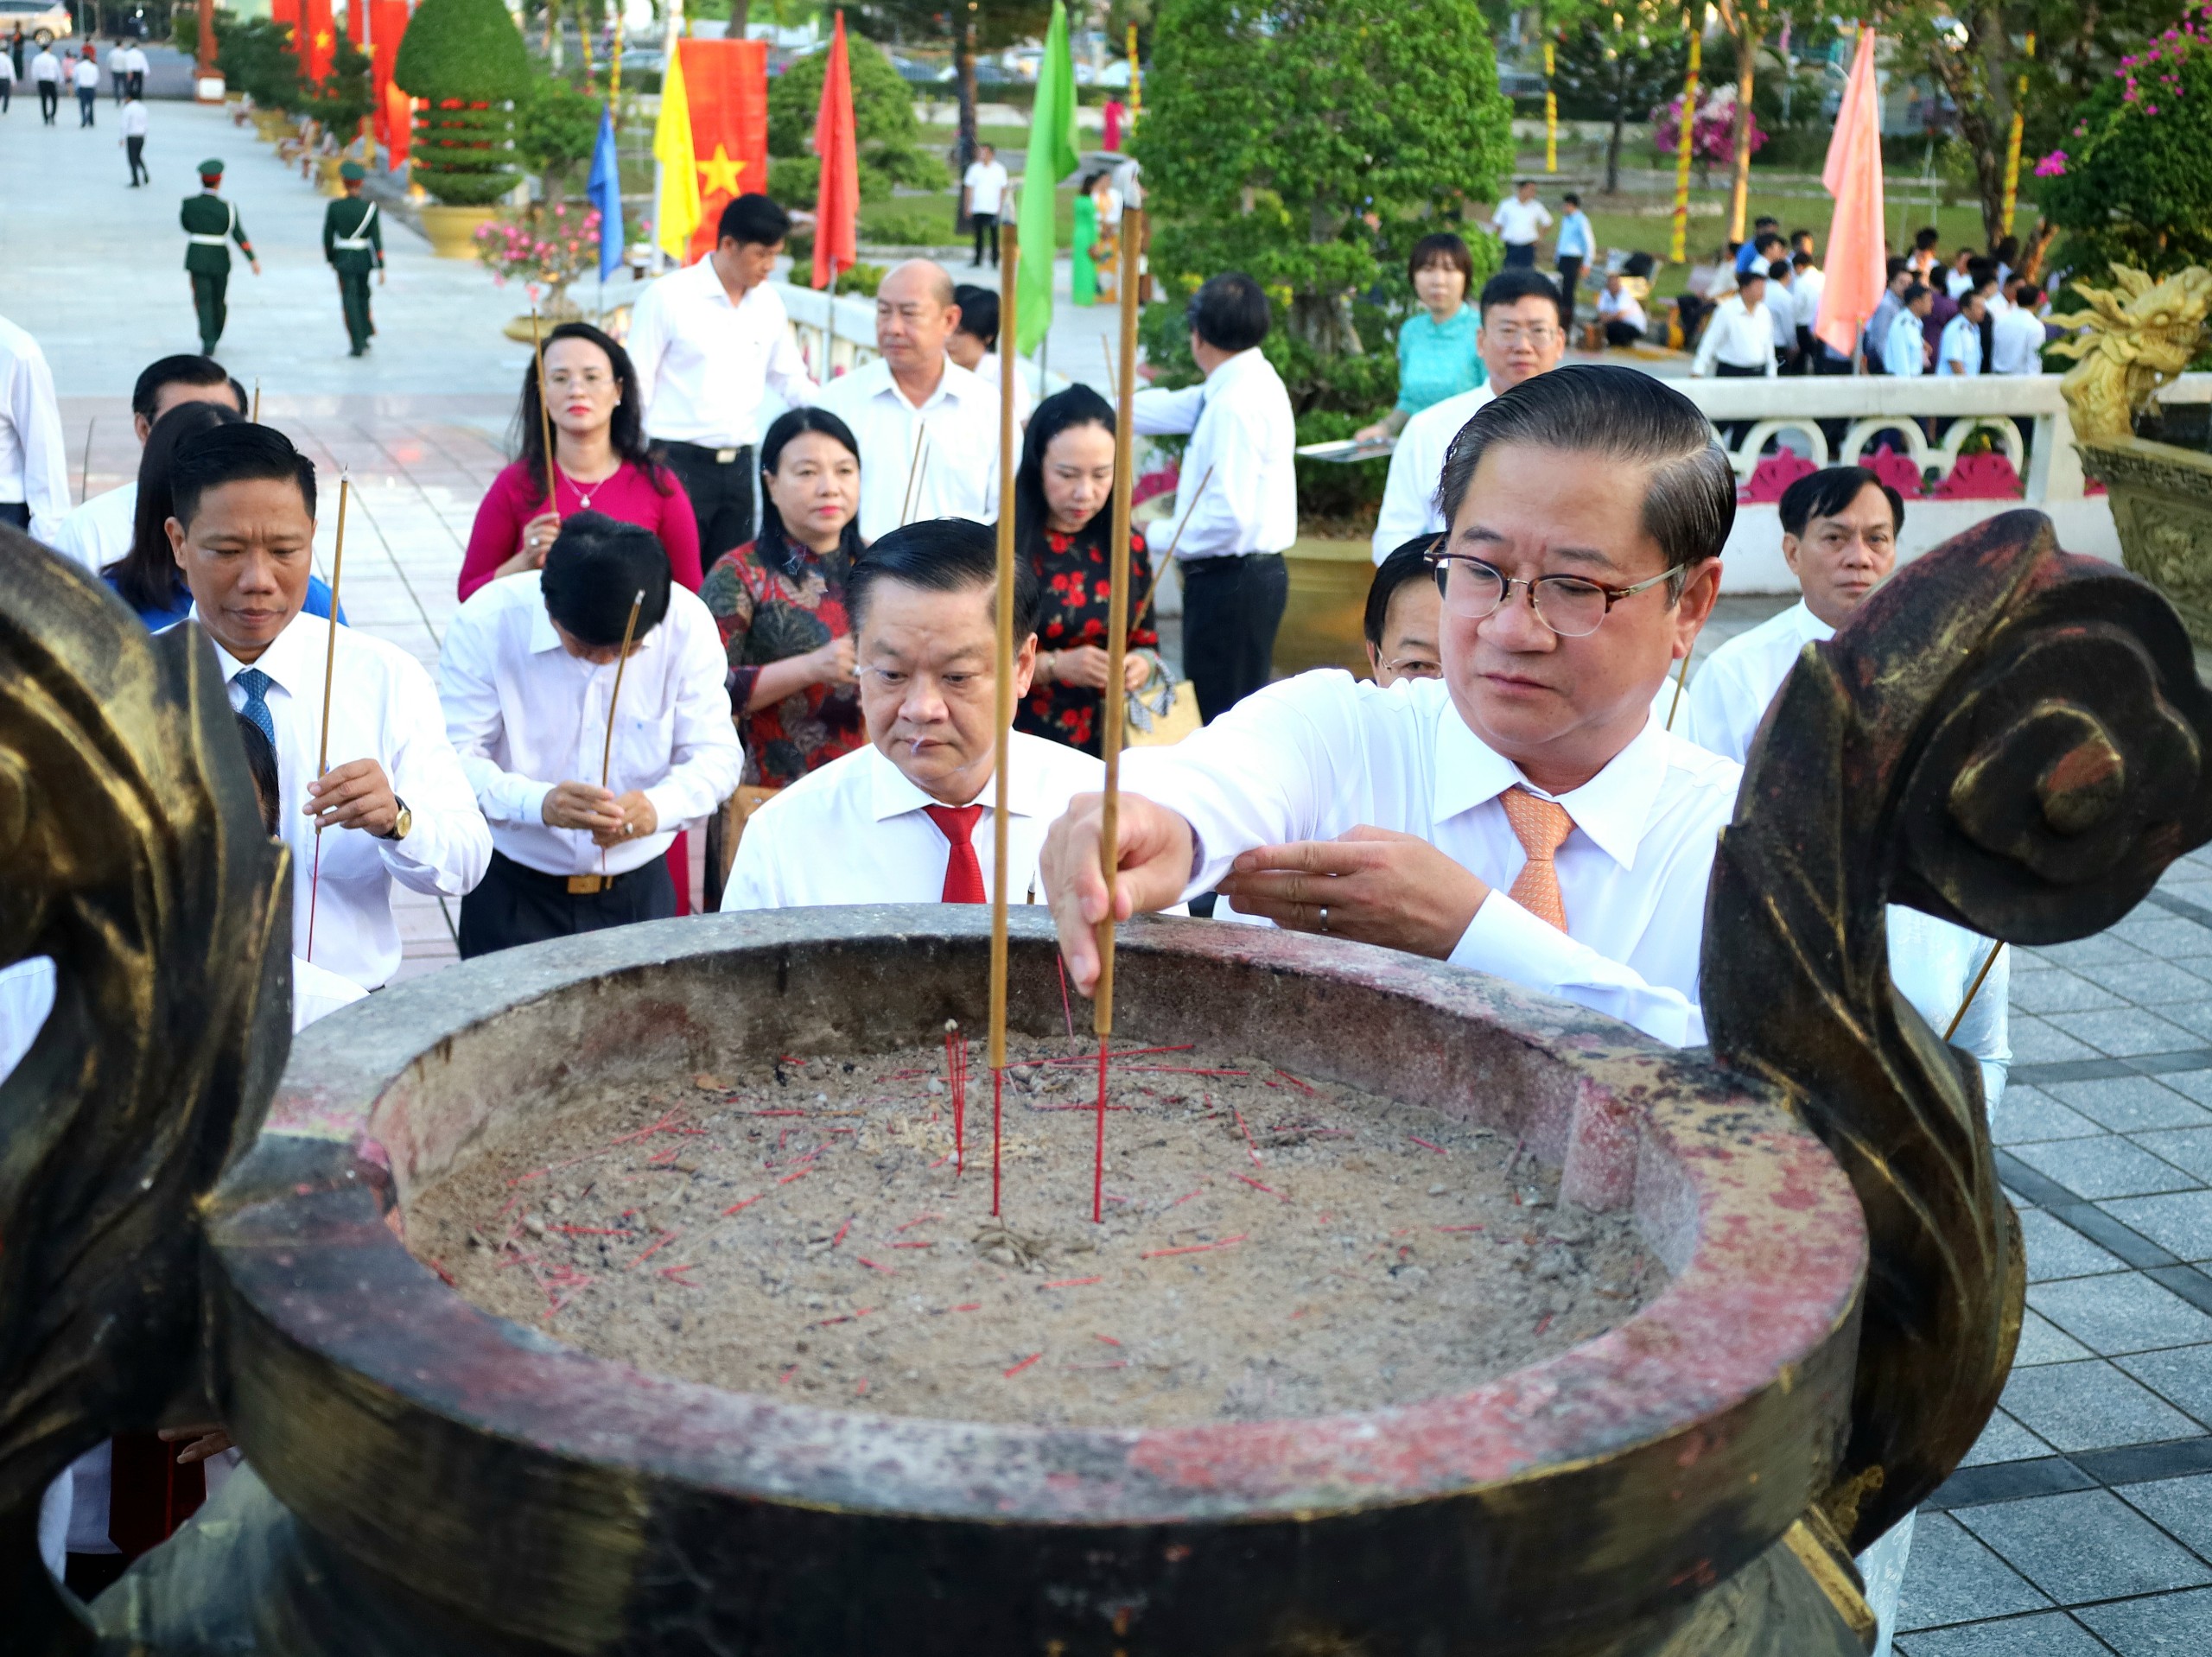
(907, 819)
(928, 428)
(1523, 333)
(1960, 351)
(1519, 221)
(99, 532)
(33, 463)
(46, 72)
(982, 194)
(527, 675)
(1738, 338)
(1236, 497)
(1524, 815)
(2019, 342)
(1904, 346)
(706, 341)
(395, 805)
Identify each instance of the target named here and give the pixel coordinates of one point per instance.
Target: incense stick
(1009, 263)
(1681, 678)
(1197, 495)
(545, 408)
(1116, 695)
(613, 700)
(914, 467)
(329, 671)
(257, 403)
(1958, 1018)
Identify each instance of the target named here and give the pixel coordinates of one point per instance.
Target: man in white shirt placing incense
(907, 819)
(395, 807)
(1524, 815)
(529, 676)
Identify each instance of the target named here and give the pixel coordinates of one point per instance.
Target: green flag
(1052, 157)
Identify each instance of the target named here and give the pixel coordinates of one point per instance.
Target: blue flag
(606, 192)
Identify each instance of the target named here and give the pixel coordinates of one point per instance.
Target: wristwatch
(404, 824)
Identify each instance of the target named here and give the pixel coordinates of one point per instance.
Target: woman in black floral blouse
(1063, 519)
(779, 601)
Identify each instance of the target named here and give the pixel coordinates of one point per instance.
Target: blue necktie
(254, 682)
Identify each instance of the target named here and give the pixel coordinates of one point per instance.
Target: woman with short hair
(1436, 344)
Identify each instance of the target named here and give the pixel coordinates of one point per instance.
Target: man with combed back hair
(1523, 815)
(528, 676)
(907, 819)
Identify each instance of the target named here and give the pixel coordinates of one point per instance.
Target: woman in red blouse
(599, 465)
(1062, 523)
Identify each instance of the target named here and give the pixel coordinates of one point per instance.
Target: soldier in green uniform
(210, 225)
(353, 241)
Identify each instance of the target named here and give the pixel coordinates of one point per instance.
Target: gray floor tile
(2183, 1507)
(2193, 1015)
(2043, 1342)
(2129, 1104)
(2182, 1375)
(2197, 1084)
(2107, 1166)
(2189, 1148)
(2003, 1440)
(2180, 1223)
(2164, 1625)
(2124, 1032)
(1952, 1578)
(2090, 951)
(2091, 1406)
(2056, 1250)
(2025, 1114)
(2035, 1042)
(2126, 1313)
(2147, 983)
(2059, 990)
(2168, 936)
(2052, 1633)
(2084, 1546)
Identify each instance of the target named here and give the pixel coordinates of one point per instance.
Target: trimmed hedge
(467, 59)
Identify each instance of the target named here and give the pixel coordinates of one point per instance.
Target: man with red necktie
(907, 819)
(1524, 815)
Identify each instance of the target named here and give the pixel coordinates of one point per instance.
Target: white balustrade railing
(837, 335)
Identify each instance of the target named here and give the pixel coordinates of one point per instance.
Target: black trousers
(17, 512)
(1623, 334)
(353, 300)
(1737, 428)
(987, 225)
(49, 100)
(1521, 253)
(1231, 608)
(721, 492)
(207, 291)
(88, 99)
(134, 149)
(515, 904)
(1570, 278)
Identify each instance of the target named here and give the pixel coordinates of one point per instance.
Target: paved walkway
(2084, 1520)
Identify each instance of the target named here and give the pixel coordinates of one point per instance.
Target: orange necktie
(1541, 827)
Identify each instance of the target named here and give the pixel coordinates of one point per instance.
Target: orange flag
(837, 198)
(1857, 248)
(727, 84)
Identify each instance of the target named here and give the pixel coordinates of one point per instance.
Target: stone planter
(270, 125)
(1328, 593)
(326, 174)
(453, 230)
(2162, 507)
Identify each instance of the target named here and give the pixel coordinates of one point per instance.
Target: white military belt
(207, 241)
(358, 241)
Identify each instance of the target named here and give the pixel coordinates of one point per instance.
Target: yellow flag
(676, 211)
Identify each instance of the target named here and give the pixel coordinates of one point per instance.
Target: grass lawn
(927, 220)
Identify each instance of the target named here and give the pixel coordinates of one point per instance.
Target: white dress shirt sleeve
(450, 845)
(787, 371)
(705, 758)
(1709, 345)
(37, 419)
(1506, 940)
(1168, 414)
(1408, 496)
(468, 689)
(754, 880)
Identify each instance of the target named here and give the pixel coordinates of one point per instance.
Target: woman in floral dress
(779, 600)
(1063, 517)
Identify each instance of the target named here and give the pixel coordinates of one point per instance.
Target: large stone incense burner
(2007, 737)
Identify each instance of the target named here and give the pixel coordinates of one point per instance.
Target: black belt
(1192, 564)
(742, 453)
(575, 885)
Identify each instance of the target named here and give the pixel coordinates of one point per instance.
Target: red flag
(285, 13)
(837, 198)
(357, 23)
(727, 83)
(317, 40)
(387, 23)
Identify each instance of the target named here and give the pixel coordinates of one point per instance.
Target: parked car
(40, 20)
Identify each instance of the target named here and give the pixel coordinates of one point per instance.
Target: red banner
(837, 196)
(387, 22)
(726, 83)
(285, 13)
(357, 23)
(318, 40)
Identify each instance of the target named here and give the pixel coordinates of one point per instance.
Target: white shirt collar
(291, 660)
(956, 385)
(1227, 372)
(891, 795)
(1611, 807)
(1807, 625)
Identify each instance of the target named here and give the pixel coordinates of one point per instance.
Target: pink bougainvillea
(550, 244)
(2052, 166)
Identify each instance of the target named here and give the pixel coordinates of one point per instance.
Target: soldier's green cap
(353, 172)
(211, 170)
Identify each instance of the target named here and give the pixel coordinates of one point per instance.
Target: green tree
(341, 100)
(968, 27)
(2128, 182)
(1298, 145)
(466, 60)
(1621, 66)
(557, 128)
(256, 58)
(883, 124)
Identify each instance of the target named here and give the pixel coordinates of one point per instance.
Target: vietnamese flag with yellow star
(317, 41)
(725, 88)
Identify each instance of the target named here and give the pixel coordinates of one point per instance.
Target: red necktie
(963, 873)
